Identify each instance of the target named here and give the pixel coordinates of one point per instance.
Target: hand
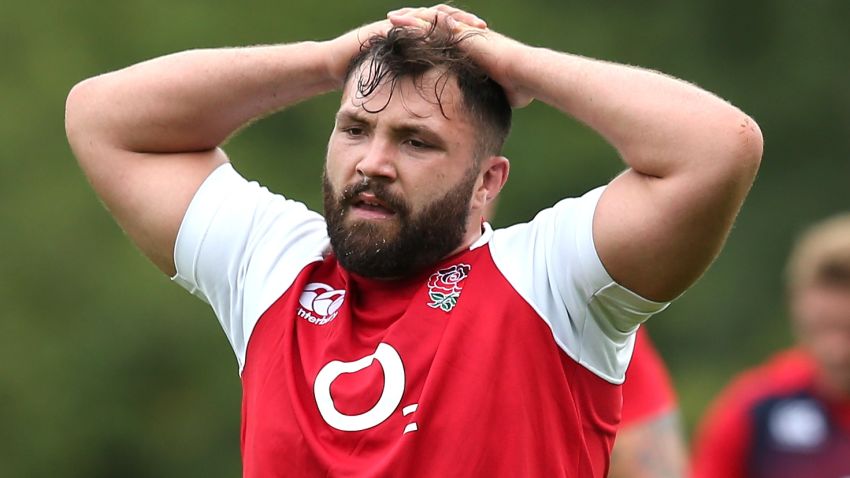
(347, 46)
(455, 18)
(493, 52)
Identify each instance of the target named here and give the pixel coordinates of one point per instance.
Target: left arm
(692, 156)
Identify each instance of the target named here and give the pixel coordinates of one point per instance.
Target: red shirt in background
(774, 422)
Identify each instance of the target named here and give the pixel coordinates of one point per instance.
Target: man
(790, 417)
(404, 337)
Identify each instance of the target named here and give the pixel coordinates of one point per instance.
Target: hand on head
(486, 48)
(454, 18)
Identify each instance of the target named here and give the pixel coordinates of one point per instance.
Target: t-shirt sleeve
(240, 247)
(552, 262)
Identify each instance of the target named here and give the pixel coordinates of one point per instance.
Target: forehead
(434, 99)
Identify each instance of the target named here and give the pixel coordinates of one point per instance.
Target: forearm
(193, 100)
(660, 125)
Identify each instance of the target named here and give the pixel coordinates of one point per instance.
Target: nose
(378, 161)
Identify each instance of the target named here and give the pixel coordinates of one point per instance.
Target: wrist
(337, 54)
(339, 51)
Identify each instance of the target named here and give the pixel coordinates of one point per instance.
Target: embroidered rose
(445, 285)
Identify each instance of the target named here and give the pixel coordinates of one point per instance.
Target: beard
(403, 244)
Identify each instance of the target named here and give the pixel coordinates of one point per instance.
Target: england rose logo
(444, 286)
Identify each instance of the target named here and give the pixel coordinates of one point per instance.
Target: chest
(356, 378)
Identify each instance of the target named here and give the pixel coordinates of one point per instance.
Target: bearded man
(400, 335)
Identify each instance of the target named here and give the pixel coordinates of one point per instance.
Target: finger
(409, 12)
(468, 21)
(408, 20)
(453, 25)
(462, 16)
(446, 8)
(425, 18)
(400, 11)
(415, 17)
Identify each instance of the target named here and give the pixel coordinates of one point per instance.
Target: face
(400, 177)
(822, 320)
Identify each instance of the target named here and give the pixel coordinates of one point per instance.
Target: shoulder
(557, 241)
(784, 372)
(552, 263)
(241, 246)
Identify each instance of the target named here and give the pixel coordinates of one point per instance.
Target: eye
(417, 144)
(354, 131)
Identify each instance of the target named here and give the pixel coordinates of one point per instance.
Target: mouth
(368, 206)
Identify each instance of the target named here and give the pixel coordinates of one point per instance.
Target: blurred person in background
(399, 335)
(790, 416)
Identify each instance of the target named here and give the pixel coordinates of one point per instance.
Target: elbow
(750, 145)
(75, 106)
(738, 155)
(84, 117)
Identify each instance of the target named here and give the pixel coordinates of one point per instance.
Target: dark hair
(411, 53)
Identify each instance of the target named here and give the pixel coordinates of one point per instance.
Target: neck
(474, 231)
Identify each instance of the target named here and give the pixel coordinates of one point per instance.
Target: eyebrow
(405, 128)
(352, 116)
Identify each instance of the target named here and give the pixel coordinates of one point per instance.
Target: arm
(653, 448)
(692, 157)
(148, 135)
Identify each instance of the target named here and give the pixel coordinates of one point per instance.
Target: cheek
(824, 319)
(419, 195)
(423, 185)
(338, 167)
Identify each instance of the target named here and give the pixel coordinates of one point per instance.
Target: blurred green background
(107, 369)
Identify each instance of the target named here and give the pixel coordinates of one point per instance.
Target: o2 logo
(391, 394)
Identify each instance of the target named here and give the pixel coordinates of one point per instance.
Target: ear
(494, 174)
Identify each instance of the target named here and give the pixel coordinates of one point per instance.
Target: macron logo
(320, 303)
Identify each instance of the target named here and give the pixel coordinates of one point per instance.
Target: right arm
(148, 135)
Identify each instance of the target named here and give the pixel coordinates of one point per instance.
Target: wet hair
(821, 256)
(411, 53)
